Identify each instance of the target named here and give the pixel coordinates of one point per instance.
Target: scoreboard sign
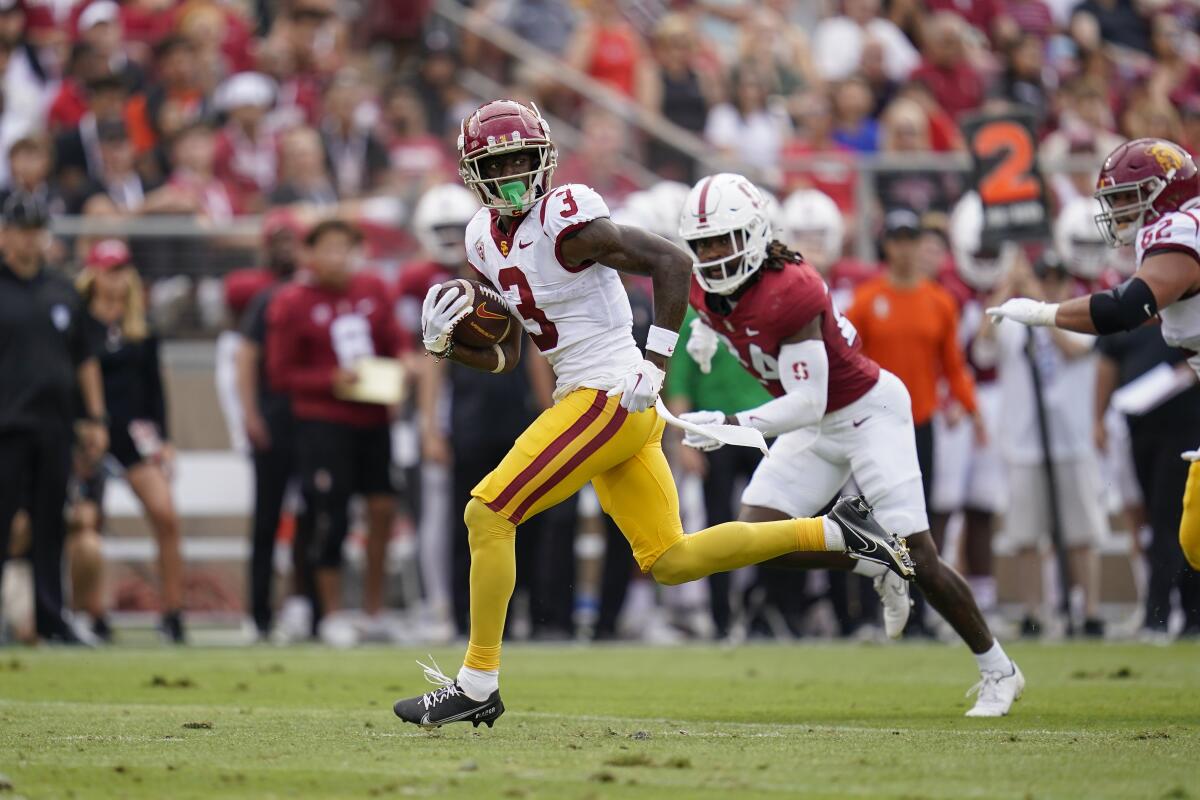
(1005, 173)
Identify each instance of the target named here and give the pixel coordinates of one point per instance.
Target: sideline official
(46, 355)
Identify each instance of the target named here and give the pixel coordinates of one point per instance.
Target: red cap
(281, 219)
(108, 254)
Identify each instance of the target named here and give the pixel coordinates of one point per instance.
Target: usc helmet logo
(1167, 156)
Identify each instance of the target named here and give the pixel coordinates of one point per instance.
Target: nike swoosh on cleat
(425, 719)
(483, 313)
(523, 245)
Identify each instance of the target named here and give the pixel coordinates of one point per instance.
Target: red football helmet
(1141, 181)
(503, 126)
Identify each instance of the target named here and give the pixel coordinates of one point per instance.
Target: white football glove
(639, 389)
(440, 315)
(1026, 311)
(702, 345)
(699, 441)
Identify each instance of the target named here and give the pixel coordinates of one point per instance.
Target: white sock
(994, 660)
(834, 541)
(871, 569)
(479, 683)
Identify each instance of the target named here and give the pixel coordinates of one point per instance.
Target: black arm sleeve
(156, 398)
(1124, 307)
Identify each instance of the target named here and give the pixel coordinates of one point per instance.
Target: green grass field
(807, 721)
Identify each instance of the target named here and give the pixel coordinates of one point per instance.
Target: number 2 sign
(1006, 176)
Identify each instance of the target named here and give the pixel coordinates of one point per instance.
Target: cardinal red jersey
(413, 283)
(845, 276)
(775, 308)
(313, 330)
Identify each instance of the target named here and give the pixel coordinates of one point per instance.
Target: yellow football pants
(585, 437)
(1189, 525)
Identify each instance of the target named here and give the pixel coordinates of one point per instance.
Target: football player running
(835, 412)
(552, 252)
(1150, 193)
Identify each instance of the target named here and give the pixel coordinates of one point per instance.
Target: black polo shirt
(43, 339)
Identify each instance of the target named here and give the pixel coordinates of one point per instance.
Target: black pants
(924, 437)
(1162, 475)
(273, 468)
(545, 549)
(34, 469)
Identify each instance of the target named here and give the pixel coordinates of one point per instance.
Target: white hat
(98, 12)
(246, 89)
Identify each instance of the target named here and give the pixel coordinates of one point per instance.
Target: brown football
(488, 321)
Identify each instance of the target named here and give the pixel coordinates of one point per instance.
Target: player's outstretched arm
(499, 358)
(639, 252)
(1162, 279)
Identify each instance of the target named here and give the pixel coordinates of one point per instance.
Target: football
(489, 319)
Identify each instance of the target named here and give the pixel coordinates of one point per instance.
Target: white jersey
(579, 317)
(1179, 230)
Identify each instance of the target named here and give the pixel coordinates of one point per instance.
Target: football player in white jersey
(1150, 193)
(551, 253)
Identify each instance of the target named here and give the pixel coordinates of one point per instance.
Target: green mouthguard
(513, 191)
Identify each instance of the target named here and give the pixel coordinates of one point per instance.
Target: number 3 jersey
(578, 316)
(777, 307)
(1179, 230)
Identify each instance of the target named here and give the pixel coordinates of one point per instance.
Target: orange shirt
(913, 333)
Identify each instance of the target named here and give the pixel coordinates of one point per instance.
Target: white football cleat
(893, 594)
(997, 693)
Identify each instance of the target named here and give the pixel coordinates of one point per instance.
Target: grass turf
(809, 721)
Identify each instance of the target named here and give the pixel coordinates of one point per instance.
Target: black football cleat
(447, 703)
(866, 539)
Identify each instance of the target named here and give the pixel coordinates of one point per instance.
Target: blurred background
(201, 132)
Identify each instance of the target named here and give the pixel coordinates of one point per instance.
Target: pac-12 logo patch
(60, 315)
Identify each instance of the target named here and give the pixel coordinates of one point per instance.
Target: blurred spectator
(137, 415)
(749, 128)
(301, 50)
(176, 90)
(1152, 116)
(853, 125)
(1065, 370)
(119, 181)
(303, 177)
(606, 47)
(839, 41)
(100, 31)
(193, 182)
(1085, 128)
(270, 429)
(945, 68)
(355, 157)
(416, 157)
(77, 154)
(26, 83)
(29, 174)
(874, 72)
(813, 158)
(1025, 80)
(909, 325)
(70, 102)
(1028, 18)
(983, 15)
(547, 24)
(85, 557)
(1154, 432)
(318, 331)
(904, 129)
(1175, 71)
(605, 139)
(440, 89)
(684, 93)
(1120, 22)
(246, 150)
(50, 366)
(779, 52)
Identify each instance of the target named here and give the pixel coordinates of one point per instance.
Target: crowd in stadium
(338, 132)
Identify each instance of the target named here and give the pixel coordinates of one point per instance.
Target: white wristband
(661, 340)
(1047, 313)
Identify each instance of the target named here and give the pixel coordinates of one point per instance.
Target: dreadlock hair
(779, 254)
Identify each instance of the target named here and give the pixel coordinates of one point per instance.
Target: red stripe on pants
(546, 456)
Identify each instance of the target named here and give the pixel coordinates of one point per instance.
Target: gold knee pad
(1189, 525)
